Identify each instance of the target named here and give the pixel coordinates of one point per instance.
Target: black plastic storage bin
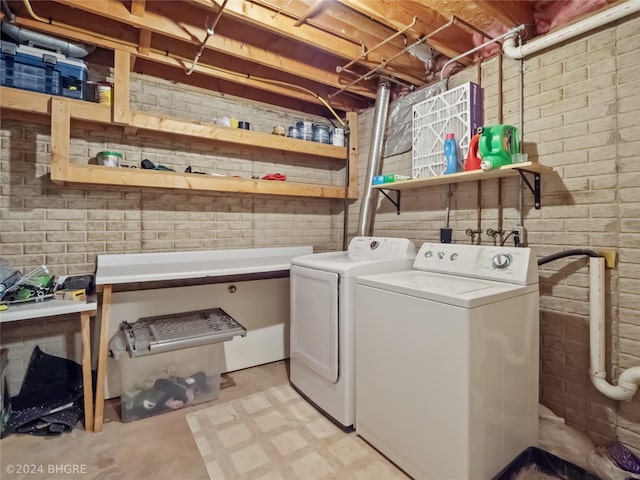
(545, 462)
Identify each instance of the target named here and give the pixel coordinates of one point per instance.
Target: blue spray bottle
(450, 154)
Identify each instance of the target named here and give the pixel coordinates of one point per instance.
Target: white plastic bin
(168, 381)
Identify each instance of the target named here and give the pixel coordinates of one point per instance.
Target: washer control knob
(501, 261)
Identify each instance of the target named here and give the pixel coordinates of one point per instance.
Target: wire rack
(172, 332)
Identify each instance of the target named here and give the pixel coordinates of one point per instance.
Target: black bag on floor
(50, 401)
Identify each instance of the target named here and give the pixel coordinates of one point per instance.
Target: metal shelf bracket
(395, 202)
(535, 188)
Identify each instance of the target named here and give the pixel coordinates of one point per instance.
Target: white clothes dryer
(322, 365)
(447, 360)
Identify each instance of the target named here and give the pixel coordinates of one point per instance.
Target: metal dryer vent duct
(374, 165)
(68, 48)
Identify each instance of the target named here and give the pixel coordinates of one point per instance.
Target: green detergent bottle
(497, 144)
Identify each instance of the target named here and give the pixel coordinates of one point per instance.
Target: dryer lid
(366, 255)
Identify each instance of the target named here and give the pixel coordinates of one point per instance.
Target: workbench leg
(85, 325)
(102, 358)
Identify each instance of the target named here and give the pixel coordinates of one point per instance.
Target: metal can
(104, 93)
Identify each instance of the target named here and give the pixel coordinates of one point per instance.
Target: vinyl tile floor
(159, 447)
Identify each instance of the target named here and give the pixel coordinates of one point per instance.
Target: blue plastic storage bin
(43, 71)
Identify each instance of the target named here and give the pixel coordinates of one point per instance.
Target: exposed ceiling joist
(293, 52)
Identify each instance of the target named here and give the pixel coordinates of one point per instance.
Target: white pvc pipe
(597, 316)
(629, 379)
(599, 19)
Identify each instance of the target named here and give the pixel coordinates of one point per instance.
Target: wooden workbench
(143, 268)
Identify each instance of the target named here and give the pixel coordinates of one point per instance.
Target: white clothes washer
(447, 361)
(322, 365)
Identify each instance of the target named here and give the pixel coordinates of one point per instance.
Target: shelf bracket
(535, 188)
(395, 202)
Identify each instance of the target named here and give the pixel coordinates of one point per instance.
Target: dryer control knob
(501, 261)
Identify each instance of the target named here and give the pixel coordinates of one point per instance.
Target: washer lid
(450, 289)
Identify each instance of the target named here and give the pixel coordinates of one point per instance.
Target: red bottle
(473, 157)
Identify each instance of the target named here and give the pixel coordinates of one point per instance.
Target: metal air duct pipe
(374, 165)
(66, 47)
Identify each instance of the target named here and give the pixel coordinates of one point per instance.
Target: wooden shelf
(134, 177)
(39, 103)
(512, 170)
(33, 102)
(236, 136)
(506, 171)
(63, 110)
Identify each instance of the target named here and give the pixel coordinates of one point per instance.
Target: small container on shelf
(104, 90)
(109, 158)
(305, 130)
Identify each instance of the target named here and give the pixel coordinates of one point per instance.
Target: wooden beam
(162, 24)
(60, 134)
(341, 103)
(102, 357)
(309, 13)
(398, 13)
(313, 72)
(274, 87)
(354, 139)
(316, 74)
(87, 381)
(144, 42)
(58, 29)
(138, 7)
(264, 19)
(121, 114)
(509, 13)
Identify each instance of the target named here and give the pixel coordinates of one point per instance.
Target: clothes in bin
(43, 71)
(154, 384)
(171, 361)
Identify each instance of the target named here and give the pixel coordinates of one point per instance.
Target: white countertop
(44, 308)
(146, 267)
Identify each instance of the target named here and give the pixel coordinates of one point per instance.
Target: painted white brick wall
(581, 117)
(66, 227)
